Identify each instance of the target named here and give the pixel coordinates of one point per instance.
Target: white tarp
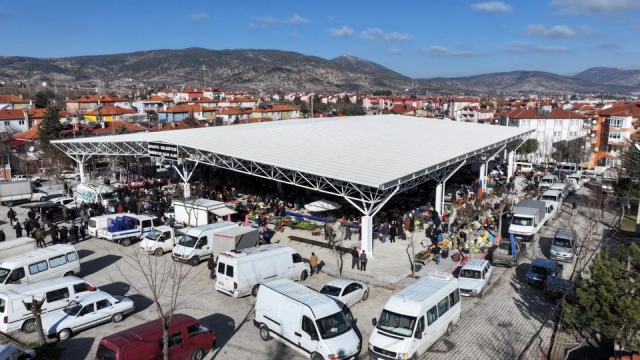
(322, 205)
(223, 211)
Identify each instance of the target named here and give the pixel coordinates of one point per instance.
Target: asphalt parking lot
(510, 318)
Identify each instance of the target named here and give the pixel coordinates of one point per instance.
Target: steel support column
(444, 187)
(511, 165)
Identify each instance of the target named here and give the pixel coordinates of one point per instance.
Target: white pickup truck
(160, 240)
(128, 228)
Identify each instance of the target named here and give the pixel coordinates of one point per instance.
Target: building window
(6, 123)
(615, 135)
(605, 134)
(21, 122)
(616, 122)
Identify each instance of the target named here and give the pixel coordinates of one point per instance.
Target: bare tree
(35, 306)
(163, 283)
(334, 236)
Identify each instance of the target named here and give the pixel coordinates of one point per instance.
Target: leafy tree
(50, 129)
(46, 97)
(191, 121)
(630, 159)
(608, 296)
(560, 152)
(530, 146)
(121, 129)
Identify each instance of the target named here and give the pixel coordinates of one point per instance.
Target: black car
(56, 209)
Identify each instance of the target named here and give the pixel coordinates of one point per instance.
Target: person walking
(18, 228)
(393, 231)
(54, 233)
(384, 230)
(85, 218)
(3, 236)
(355, 258)
(26, 225)
(436, 254)
(574, 206)
(211, 265)
(39, 234)
(363, 261)
(63, 234)
(73, 233)
(347, 232)
(12, 216)
(83, 232)
(313, 262)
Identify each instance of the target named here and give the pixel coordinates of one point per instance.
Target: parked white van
(563, 188)
(98, 223)
(197, 243)
(523, 167)
(48, 263)
(240, 272)
(552, 197)
(311, 323)
(56, 294)
(416, 317)
(546, 182)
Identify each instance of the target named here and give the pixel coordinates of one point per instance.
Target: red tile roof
(14, 99)
(31, 134)
(96, 98)
(111, 110)
(159, 98)
(277, 108)
(174, 125)
(11, 114)
(632, 109)
(532, 113)
(110, 127)
(186, 108)
(39, 113)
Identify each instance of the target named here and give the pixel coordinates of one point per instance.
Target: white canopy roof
(379, 151)
(223, 211)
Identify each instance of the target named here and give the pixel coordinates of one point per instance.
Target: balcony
(635, 136)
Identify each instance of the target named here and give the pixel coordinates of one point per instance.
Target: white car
(474, 276)
(19, 177)
(11, 352)
(348, 292)
(68, 202)
(70, 175)
(86, 311)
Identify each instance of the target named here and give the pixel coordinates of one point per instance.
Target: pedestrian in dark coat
(393, 231)
(18, 228)
(355, 258)
(363, 261)
(11, 215)
(211, 265)
(63, 234)
(3, 237)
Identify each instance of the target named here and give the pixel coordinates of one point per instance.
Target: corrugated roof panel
(368, 150)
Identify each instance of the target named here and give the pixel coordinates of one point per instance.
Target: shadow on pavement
(141, 302)
(84, 253)
(81, 347)
(224, 327)
(545, 246)
(116, 288)
(95, 265)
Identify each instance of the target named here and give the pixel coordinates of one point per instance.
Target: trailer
(198, 212)
(237, 238)
(14, 191)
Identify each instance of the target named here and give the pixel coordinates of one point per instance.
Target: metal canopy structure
(365, 159)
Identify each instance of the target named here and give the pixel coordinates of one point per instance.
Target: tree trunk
(41, 337)
(165, 340)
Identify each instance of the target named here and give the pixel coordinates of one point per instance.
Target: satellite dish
(595, 149)
(32, 149)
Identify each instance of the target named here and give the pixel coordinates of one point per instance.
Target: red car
(188, 339)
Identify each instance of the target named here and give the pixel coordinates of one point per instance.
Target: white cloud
(556, 32)
(491, 6)
(585, 7)
(443, 51)
(524, 47)
(296, 19)
(199, 16)
(344, 31)
(396, 51)
(375, 34)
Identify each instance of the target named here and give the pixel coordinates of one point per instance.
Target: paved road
(498, 326)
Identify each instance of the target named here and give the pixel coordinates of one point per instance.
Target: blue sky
(416, 38)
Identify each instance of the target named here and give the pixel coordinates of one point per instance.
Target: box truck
(198, 243)
(16, 247)
(15, 191)
(528, 218)
(99, 193)
(235, 238)
(198, 212)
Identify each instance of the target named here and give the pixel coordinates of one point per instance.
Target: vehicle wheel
(316, 356)
(70, 273)
(303, 275)
(449, 329)
(195, 261)
(117, 317)
(480, 294)
(365, 296)
(158, 252)
(64, 334)
(29, 326)
(414, 356)
(78, 178)
(254, 290)
(197, 355)
(43, 199)
(126, 242)
(264, 332)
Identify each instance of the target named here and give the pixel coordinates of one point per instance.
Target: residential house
(86, 103)
(166, 93)
(173, 125)
(36, 115)
(242, 102)
(276, 112)
(149, 108)
(13, 102)
(212, 93)
(14, 121)
(234, 115)
(613, 130)
(113, 113)
(181, 112)
(458, 106)
(188, 95)
(552, 125)
(113, 127)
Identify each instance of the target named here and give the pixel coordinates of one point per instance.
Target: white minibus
(48, 263)
(416, 317)
(56, 294)
(309, 322)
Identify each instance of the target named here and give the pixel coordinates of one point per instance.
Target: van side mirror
(314, 337)
(374, 322)
(418, 335)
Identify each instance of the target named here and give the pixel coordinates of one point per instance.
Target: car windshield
(546, 181)
(565, 243)
(548, 197)
(154, 234)
(104, 353)
(188, 241)
(397, 324)
(73, 308)
(522, 221)
(470, 274)
(333, 325)
(3, 274)
(538, 270)
(330, 290)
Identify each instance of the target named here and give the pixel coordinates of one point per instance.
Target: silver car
(563, 246)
